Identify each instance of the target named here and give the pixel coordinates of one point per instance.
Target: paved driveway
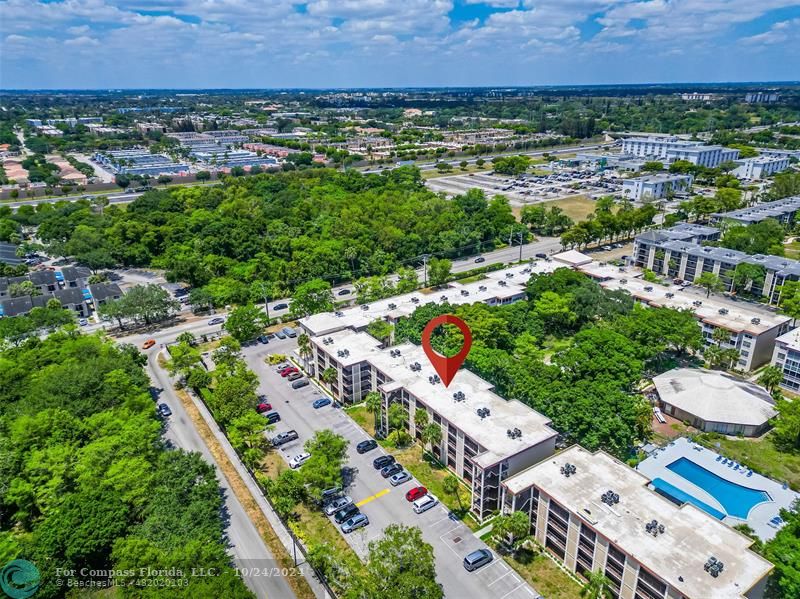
(382, 503)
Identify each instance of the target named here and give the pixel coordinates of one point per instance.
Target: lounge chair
(719, 457)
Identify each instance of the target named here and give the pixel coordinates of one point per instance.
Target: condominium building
(671, 148)
(760, 167)
(786, 356)
(783, 211)
(139, 162)
(774, 152)
(485, 438)
(752, 329)
(596, 514)
(655, 186)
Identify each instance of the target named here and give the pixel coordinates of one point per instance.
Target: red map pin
(444, 366)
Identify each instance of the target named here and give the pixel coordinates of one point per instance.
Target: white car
(424, 503)
(299, 460)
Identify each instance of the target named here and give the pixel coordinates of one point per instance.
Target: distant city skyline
(102, 44)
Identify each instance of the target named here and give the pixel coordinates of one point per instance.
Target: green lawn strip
(544, 575)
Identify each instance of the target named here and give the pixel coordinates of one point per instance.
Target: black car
(541, 255)
(366, 446)
(346, 513)
(343, 292)
(282, 438)
(391, 470)
(164, 410)
(263, 339)
(272, 418)
(480, 259)
(382, 461)
(280, 306)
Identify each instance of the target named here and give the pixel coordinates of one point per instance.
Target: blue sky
(362, 43)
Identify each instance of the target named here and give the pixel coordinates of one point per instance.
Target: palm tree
(304, 345)
(771, 378)
(597, 586)
(421, 418)
(431, 434)
(328, 376)
(374, 401)
(351, 253)
(450, 486)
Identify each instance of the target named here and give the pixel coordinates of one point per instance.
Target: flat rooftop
(763, 210)
(498, 286)
(790, 339)
(736, 316)
(490, 432)
(676, 556)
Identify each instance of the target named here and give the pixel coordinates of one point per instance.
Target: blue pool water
(734, 498)
(682, 497)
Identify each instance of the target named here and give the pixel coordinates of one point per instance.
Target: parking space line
(512, 590)
(372, 497)
(499, 578)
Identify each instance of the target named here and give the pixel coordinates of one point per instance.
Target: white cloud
(777, 34)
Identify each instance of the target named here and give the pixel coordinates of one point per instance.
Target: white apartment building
(783, 211)
(595, 514)
(752, 329)
(786, 356)
(485, 438)
(760, 167)
(655, 186)
(672, 148)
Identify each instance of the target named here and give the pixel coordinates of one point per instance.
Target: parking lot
(529, 188)
(382, 503)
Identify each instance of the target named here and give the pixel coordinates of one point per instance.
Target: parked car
(148, 344)
(480, 259)
(416, 493)
(337, 504)
(280, 335)
(358, 521)
(366, 446)
(83, 322)
(294, 376)
(217, 320)
(346, 512)
(541, 255)
(263, 339)
(300, 383)
(288, 370)
(164, 410)
(299, 460)
(329, 495)
(477, 558)
(391, 470)
(280, 306)
(281, 367)
(285, 437)
(382, 461)
(263, 407)
(424, 503)
(401, 477)
(272, 417)
(289, 332)
(343, 292)
(321, 402)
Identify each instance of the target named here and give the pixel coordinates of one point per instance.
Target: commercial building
(655, 186)
(596, 514)
(139, 162)
(752, 329)
(485, 438)
(715, 402)
(671, 148)
(761, 97)
(786, 356)
(783, 211)
(760, 167)
(697, 97)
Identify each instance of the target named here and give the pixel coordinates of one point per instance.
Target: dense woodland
(87, 481)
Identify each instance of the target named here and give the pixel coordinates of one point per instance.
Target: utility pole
(521, 237)
(425, 258)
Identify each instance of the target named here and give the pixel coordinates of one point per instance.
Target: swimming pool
(734, 498)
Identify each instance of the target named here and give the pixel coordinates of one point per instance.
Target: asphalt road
(382, 503)
(245, 543)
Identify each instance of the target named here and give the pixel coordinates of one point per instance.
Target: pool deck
(760, 515)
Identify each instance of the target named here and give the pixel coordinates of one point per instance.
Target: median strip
(372, 497)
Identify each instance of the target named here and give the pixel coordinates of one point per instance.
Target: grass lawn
(313, 526)
(759, 454)
(792, 250)
(577, 207)
(431, 474)
(472, 279)
(363, 417)
(544, 575)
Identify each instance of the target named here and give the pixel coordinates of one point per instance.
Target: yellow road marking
(372, 497)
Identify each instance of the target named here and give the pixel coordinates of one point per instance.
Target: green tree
(323, 470)
(397, 416)
(597, 586)
(407, 280)
(439, 271)
(374, 403)
(451, 486)
(771, 377)
(312, 297)
(247, 436)
(512, 529)
(431, 434)
(381, 330)
(183, 358)
(245, 323)
(784, 552)
(203, 175)
(233, 396)
(328, 376)
(710, 282)
(150, 303)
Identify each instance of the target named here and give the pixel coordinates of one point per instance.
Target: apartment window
(649, 586)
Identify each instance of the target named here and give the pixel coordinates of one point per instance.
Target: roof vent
(365, 307)
(501, 283)
(623, 281)
(459, 396)
(723, 311)
(697, 303)
(509, 275)
(514, 434)
(434, 379)
(414, 300)
(648, 288)
(392, 306)
(568, 469)
(442, 298)
(481, 287)
(654, 528)
(394, 353)
(339, 313)
(714, 566)
(609, 497)
(669, 294)
(416, 366)
(755, 320)
(483, 412)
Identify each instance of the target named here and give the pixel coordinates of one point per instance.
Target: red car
(416, 493)
(263, 407)
(288, 371)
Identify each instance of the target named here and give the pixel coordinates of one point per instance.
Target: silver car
(337, 504)
(400, 478)
(355, 522)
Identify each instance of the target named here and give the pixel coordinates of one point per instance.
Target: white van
(423, 504)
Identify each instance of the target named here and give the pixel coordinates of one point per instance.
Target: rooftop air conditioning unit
(669, 294)
(723, 311)
(755, 321)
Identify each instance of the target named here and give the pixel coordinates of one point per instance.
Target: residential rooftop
(762, 211)
(678, 555)
(490, 432)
